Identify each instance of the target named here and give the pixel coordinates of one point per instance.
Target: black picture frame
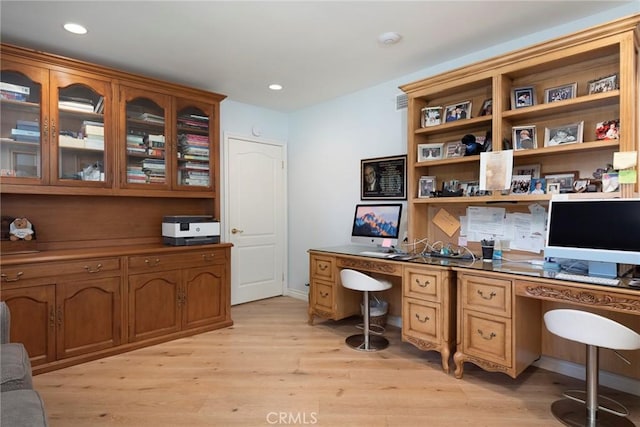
(522, 97)
(389, 179)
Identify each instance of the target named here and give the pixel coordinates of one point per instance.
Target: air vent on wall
(402, 101)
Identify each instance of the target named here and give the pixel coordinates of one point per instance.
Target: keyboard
(376, 254)
(587, 279)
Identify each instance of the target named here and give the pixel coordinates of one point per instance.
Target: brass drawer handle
(491, 335)
(93, 270)
(45, 128)
(52, 317)
(5, 278)
(324, 294)
(208, 257)
(59, 316)
(491, 295)
(427, 283)
(426, 318)
(322, 267)
(153, 263)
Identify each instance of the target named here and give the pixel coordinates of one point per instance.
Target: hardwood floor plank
(272, 364)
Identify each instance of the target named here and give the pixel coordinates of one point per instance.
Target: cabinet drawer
(323, 268)
(168, 261)
(487, 294)
(323, 295)
(487, 337)
(48, 269)
(423, 284)
(421, 319)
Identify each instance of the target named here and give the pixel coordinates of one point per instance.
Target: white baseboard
(574, 370)
(297, 294)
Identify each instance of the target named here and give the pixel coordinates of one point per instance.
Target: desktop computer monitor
(377, 225)
(602, 232)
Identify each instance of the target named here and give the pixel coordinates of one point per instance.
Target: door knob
(235, 231)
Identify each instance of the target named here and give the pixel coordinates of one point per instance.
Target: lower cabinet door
(202, 296)
(421, 320)
(88, 316)
(33, 320)
(487, 337)
(154, 308)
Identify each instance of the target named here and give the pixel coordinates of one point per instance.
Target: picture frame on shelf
(457, 111)
(383, 178)
(455, 149)
(431, 116)
(608, 129)
(580, 185)
(426, 186)
(560, 93)
(564, 179)
(520, 184)
(429, 152)
(470, 188)
(538, 186)
(487, 107)
(603, 84)
(533, 170)
(522, 97)
(553, 188)
(565, 134)
(524, 137)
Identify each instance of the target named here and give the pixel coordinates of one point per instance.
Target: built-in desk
(490, 314)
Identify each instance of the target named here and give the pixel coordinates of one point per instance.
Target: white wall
(326, 142)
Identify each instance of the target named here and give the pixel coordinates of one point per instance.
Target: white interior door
(256, 216)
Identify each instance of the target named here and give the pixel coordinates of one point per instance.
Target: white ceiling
(316, 50)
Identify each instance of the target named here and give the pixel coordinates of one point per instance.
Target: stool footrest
(604, 403)
(572, 413)
(357, 342)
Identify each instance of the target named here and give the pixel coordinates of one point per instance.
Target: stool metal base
(375, 342)
(572, 413)
(604, 403)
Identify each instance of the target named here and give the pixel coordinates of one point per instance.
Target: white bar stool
(357, 281)
(595, 331)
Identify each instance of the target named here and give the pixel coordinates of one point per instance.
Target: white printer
(186, 230)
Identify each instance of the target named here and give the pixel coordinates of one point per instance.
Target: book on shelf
(75, 106)
(10, 87)
(28, 125)
(149, 117)
(22, 135)
(70, 142)
(13, 96)
(99, 108)
(93, 130)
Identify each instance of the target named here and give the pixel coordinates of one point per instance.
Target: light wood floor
(272, 364)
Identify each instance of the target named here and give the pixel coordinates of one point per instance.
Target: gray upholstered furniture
(21, 405)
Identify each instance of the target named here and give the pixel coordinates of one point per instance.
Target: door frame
(224, 206)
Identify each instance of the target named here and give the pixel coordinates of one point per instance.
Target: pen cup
(487, 250)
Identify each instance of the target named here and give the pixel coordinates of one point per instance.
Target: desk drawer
(421, 320)
(487, 337)
(487, 294)
(168, 261)
(323, 295)
(422, 284)
(323, 267)
(49, 269)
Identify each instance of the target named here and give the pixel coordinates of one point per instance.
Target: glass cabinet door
(145, 148)
(193, 145)
(23, 124)
(81, 132)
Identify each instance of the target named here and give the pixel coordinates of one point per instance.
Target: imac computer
(602, 232)
(377, 225)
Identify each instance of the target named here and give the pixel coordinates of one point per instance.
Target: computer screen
(376, 224)
(602, 232)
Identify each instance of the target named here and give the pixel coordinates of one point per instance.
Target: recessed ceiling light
(275, 86)
(75, 28)
(389, 38)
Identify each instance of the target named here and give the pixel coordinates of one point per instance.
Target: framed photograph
(538, 186)
(563, 179)
(426, 186)
(523, 97)
(487, 107)
(553, 188)
(567, 134)
(524, 137)
(455, 149)
(383, 178)
(560, 93)
(431, 116)
(609, 129)
(470, 188)
(427, 152)
(581, 185)
(603, 84)
(533, 170)
(520, 184)
(459, 111)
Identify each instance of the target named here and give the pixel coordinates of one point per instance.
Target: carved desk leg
(445, 353)
(458, 358)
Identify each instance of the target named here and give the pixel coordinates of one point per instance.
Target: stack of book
(26, 131)
(195, 177)
(152, 118)
(154, 168)
(14, 92)
(193, 147)
(93, 134)
(72, 103)
(194, 121)
(136, 144)
(135, 174)
(155, 146)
